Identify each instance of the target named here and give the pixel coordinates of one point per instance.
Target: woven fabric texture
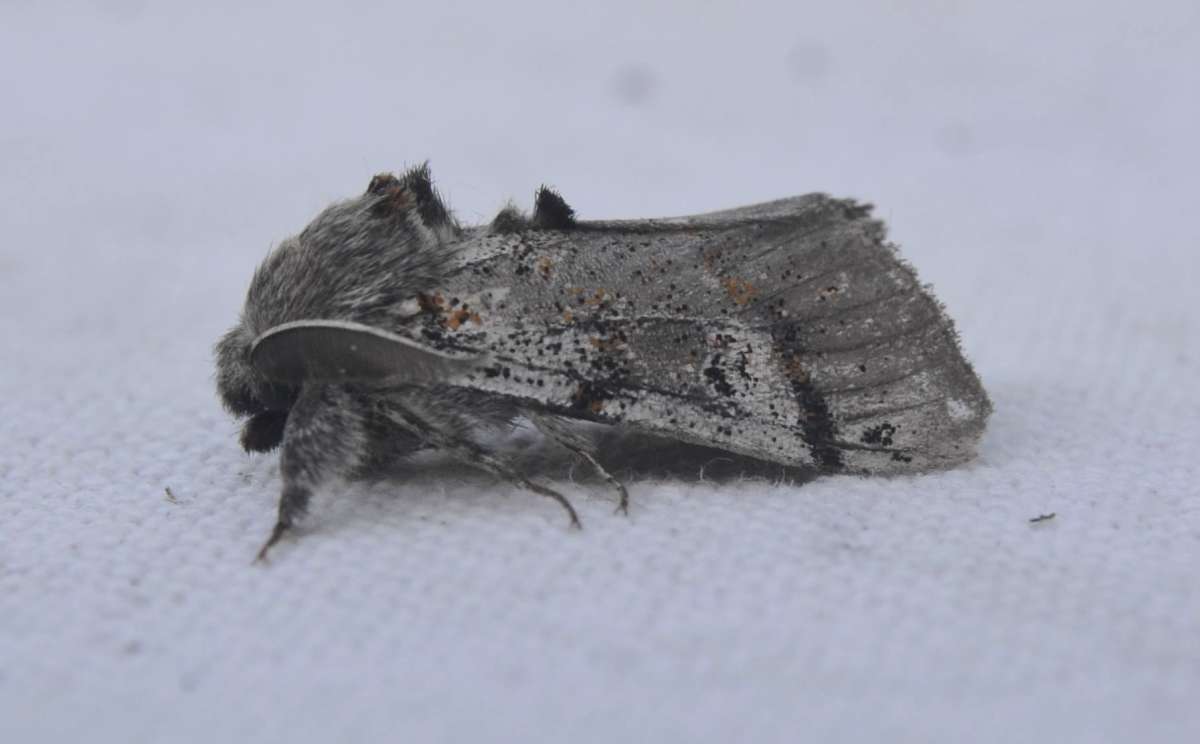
(1037, 166)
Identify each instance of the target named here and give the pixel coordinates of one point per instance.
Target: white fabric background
(1037, 162)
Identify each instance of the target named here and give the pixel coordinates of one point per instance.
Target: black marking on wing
(790, 328)
(816, 421)
(874, 349)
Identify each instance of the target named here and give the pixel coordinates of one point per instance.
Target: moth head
(361, 260)
(244, 391)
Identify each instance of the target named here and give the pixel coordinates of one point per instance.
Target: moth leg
(324, 437)
(470, 453)
(622, 493)
(498, 468)
(572, 441)
(293, 505)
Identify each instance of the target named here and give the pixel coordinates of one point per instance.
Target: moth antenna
(498, 468)
(551, 211)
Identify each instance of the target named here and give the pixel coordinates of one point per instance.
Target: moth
(789, 331)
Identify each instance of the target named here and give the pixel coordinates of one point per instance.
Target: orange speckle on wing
(457, 318)
(739, 290)
(431, 302)
(606, 344)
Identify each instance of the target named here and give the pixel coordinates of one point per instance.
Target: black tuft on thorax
(430, 206)
(551, 211)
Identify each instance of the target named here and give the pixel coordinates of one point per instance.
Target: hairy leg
(448, 432)
(567, 438)
(325, 437)
(339, 431)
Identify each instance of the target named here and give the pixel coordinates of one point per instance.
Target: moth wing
(343, 351)
(790, 331)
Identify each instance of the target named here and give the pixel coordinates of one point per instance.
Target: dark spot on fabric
(634, 84)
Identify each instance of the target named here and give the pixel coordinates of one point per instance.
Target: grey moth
(789, 331)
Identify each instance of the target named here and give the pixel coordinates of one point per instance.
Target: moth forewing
(789, 331)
